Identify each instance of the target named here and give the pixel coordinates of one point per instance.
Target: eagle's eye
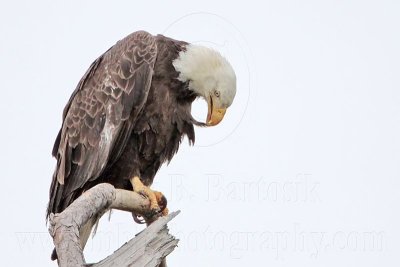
(216, 93)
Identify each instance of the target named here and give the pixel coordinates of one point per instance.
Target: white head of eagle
(210, 76)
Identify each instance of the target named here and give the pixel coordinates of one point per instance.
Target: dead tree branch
(148, 248)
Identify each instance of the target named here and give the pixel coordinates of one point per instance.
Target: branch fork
(148, 248)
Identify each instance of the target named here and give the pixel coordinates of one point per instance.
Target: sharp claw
(153, 213)
(156, 210)
(137, 219)
(164, 212)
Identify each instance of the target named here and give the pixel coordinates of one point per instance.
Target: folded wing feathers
(113, 90)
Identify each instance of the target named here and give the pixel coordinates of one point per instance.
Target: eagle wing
(100, 115)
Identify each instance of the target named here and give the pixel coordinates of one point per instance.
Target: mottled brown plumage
(114, 125)
(129, 114)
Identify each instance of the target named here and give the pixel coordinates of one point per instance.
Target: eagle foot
(158, 202)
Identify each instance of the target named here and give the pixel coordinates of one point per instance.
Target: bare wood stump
(148, 248)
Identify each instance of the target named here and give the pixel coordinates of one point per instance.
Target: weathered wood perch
(148, 248)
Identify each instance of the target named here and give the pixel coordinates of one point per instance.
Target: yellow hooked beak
(215, 115)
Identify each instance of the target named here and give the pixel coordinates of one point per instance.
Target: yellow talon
(140, 188)
(165, 212)
(162, 202)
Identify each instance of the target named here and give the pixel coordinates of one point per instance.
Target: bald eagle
(129, 113)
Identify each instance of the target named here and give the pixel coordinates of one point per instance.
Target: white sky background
(303, 171)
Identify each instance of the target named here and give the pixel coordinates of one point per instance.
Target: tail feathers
(163, 263)
(54, 255)
(85, 231)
